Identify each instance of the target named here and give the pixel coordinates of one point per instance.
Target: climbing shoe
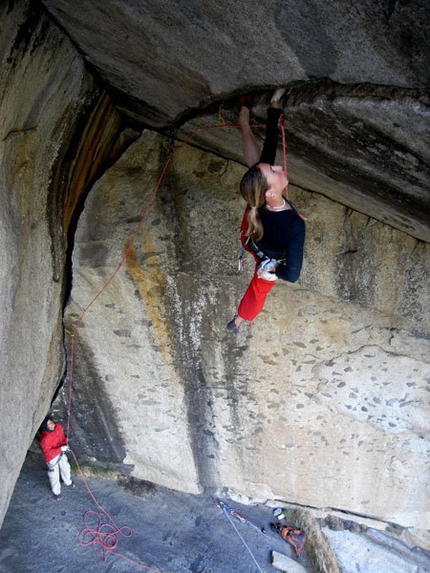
(231, 326)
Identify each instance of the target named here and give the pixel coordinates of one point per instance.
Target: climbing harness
(50, 466)
(250, 245)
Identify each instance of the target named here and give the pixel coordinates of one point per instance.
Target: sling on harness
(51, 467)
(254, 248)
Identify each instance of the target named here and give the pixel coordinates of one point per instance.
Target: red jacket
(51, 442)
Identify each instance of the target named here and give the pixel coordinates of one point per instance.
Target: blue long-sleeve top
(284, 238)
(284, 231)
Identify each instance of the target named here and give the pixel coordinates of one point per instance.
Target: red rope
(107, 283)
(103, 537)
(130, 245)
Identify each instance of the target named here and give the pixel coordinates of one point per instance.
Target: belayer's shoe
(231, 326)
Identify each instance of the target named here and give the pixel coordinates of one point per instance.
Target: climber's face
(276, 177)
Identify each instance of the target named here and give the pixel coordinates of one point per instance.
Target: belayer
(54, 447)
(271, 230)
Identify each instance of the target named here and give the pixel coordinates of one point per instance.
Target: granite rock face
(324, 401)
(38, 64)
(56, 129)
(165, 58)
(357, 79)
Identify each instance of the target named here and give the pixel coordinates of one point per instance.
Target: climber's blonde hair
(253, 189)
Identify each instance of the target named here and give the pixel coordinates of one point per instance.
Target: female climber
(271, 230)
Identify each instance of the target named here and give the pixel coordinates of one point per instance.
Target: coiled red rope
(103, 536)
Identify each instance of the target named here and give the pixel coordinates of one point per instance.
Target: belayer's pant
(59, 465)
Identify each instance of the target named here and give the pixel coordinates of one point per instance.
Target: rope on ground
(103, 537)
(242, 539)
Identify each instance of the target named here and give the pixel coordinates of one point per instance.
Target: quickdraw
(238, 516)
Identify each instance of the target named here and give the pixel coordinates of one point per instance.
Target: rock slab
(286, 564)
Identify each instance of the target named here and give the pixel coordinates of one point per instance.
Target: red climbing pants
(255, 295)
